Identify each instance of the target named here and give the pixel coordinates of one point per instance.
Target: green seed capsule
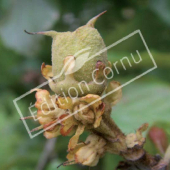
(85, 45)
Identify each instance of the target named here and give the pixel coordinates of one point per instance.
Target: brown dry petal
(133, 140)
(70, 155)
(74, 140)
(52, 133)
(100, 67)
(97, 105)
(47, 109)
(85, 116)
(64, 103)
(89, 153)
(64, 126)
(44, 101)
(98, 114)
(92, 99)
(67, 124)
(46, 71)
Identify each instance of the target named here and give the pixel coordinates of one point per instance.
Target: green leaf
(37, 15)
(144, 101)
(110, 161)
(17, 150)
(162, 8)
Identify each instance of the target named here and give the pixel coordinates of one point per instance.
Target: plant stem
(116, 144)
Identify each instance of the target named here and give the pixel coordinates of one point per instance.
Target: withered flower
(88, 153)
(51, 117)
(87, 114)
(83, 109)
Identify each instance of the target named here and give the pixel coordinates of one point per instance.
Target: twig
(46, 154)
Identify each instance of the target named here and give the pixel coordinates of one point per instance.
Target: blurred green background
(144, 100)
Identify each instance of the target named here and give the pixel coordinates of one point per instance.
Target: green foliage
(144, 100)
(32, 15)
